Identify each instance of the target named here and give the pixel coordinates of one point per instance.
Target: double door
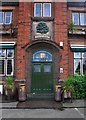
(42, 78)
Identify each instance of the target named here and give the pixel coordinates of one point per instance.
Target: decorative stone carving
(42, 30)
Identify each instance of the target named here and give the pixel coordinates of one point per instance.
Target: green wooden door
(42, 78)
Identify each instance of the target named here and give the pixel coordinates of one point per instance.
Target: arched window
(42, 56)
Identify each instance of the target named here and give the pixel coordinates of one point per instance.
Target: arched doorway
(42, 72)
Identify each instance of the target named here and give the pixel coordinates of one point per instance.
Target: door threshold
(40, 96)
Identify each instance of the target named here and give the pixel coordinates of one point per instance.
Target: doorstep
(38, 104)
(32, 96)
(30, 104)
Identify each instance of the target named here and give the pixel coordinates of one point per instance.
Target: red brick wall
(63, 59)
(61, 35)
(23, 38)
(61, 22)
(15, 15)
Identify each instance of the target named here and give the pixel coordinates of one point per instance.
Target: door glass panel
(47, 68)
(37, 68)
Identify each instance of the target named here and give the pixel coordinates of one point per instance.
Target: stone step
(40, 96)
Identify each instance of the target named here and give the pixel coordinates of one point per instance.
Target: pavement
(75, 104)
(77, 110)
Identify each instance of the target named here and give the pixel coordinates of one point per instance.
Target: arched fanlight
(42, 56)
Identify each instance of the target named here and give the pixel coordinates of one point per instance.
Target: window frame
(73, 18)
(4, 18)
(35, 9)
(5, 54)
(39, 59)
(5, 62)
(42, 10)
(12, 67)
(81, 62)
(80, 18)
(82, 55)
(4, 66)
(79, 22)
(82, 65)
(76, 57)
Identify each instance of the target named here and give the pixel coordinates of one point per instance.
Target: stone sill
(77, 33)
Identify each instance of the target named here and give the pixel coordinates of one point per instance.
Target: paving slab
(76, 104)
(41, 113)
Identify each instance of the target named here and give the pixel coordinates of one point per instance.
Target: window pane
(77, 66)
(77, 55)
(85, 19)
(75, 18)
(42, 56)
(7, 20)
(9, 67)
(38, 10)
(2, 62)
(47, 10)
(48, 57)
(1, 17)
(37, 68)
(84, 55)
(2, 53)
(8, 17)
(82, 19)
(84, 66)
(47, 68)
(10, 53)
(8, 14)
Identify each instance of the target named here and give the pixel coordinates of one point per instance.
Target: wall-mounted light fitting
(61, 44)
(61, 70)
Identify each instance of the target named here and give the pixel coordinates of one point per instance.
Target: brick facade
(61, 35)
(25, 46)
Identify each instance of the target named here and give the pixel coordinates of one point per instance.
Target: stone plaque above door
(42, 30)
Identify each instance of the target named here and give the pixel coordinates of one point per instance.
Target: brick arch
(52, 43)
(30, 49)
